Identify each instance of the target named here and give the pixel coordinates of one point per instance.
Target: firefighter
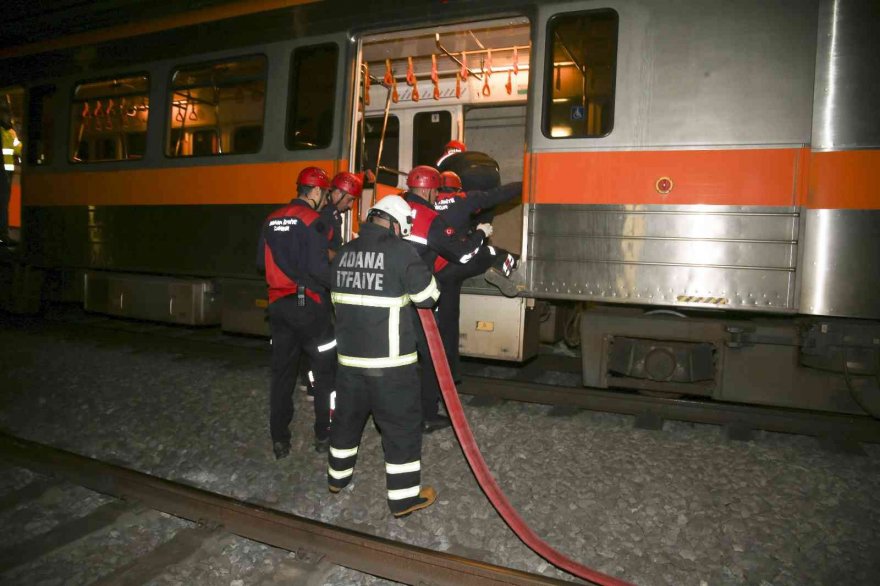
(452, 147)
(439, 244)
(376, 277)
(293, 253)
(11, 151)
(458, 209)
(344, 189)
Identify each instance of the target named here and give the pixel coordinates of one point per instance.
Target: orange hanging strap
(410, 72)
(464, 68)
(415, 91)
(457, 85)
(366, 84)
(508, 86)
(389, 75)
(394, 95)
(435, 77)
(486, 90)
(515, 61)
(488, 62)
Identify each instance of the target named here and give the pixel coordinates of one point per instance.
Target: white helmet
(398, 209)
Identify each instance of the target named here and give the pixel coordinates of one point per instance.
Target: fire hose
(481, 470)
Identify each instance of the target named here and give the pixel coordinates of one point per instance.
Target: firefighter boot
(281, 450)
(426, 498)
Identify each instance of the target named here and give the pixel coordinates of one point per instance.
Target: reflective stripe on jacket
(376, 278)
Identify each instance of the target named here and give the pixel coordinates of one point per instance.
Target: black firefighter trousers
(392, 396)
(297, 329)
(450, 279)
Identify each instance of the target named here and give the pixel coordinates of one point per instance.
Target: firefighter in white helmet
(375, 278)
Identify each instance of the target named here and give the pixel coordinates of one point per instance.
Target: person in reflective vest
(439, 244)
(11, 151)
(458, 209)
(293, 253)
(377, 278)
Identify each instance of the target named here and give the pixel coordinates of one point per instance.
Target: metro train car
(700, 176)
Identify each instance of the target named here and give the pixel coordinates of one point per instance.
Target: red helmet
(349, 183)
(454, 146)
(423, 176)
(313, 177)
(450, 181)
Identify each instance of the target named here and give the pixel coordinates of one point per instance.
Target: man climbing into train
(459, 208)
(438, 244)
(293, 253)
(11, 150)
(376, 277)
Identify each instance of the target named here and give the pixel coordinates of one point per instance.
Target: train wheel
(652, 392)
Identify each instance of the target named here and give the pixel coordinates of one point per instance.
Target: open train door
(469, 82)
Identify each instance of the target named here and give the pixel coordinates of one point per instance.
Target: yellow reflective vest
(11, 149)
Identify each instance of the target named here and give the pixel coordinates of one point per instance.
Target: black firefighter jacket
(374, 280)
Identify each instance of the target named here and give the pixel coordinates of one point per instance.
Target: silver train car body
(700, 179)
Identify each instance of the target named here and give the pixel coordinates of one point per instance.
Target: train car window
(209, 101)
(247, 138)
(103, 112)
(13, 98)
(311, 97)
(390, 150)
(41, 125)
(580, 73)
(431, 131)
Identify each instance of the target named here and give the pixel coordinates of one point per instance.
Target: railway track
(836, 432)
(136, 493)
(841, 433)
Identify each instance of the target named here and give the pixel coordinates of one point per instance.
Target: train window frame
(47, 94)
(439, 144)
(293, 78)
(73, 100)
(169, 104)
(548, 76)
(396, 118)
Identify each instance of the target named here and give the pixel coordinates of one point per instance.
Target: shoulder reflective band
(430, 291)
(8, 152)
(418, 239)
(369, 300)
(385, 362)
(404, 493)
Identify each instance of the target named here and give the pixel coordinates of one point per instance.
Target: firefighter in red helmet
(439, 244)
(452, 147)
(344, 190)
(459, 208)
(293, 253)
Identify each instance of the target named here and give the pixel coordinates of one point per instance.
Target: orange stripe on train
(768, 177)
(257, 183)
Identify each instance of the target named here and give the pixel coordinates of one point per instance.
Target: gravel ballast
(679, 506)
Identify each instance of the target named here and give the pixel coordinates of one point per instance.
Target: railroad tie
(64, 534)
(186, 544)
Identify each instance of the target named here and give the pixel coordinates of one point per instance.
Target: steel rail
(854, 428)
(344, 547)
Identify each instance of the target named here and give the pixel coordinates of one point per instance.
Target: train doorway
(419, 89)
